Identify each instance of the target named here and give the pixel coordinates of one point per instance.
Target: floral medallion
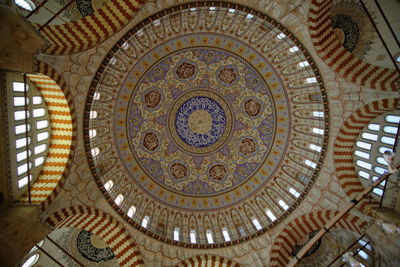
(201, 122)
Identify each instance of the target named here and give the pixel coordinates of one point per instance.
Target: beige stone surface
(18, 41)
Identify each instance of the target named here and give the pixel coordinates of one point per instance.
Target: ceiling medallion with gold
(203, 112)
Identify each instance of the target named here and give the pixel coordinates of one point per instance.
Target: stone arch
(60, 105)
(207, 261)
(343, 148)
(103, 225)
(91, 30)
(339, 59)
(301, 226)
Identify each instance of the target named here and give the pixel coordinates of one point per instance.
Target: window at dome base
(25, 4)
(177, 121)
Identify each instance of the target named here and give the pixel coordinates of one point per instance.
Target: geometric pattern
(104, 226)
(339, 59)
(90, 30)
(217, 168)
(344, 143)
(136, 56)
(60, 139)
(207, 261)
(297, 229)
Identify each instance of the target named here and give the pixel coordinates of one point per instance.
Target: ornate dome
(206, 118)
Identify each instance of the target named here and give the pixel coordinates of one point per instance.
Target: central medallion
(200, 121)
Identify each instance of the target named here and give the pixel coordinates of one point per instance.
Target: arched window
(209, 236)
(364, 252)
(119, 199)
(192, 236)
(95, 152)
(310, 163)
(145, 221)
(108, 185)
(294, 192)
(93, 114)
(92, 133)
(249, 16)
(283, 204)
(226, 234)
(311, 80)
(293, 49)
(39, 244)
(376, 138)
(303, 64)
(96, 96)
(25, 4)
(29, 132)
(257, 224)
(281, 36)
(315, 147)
(131, 211)
(318, 114)
(270, 215)
(176, 234)
(318, 131)
(125, 46)
(31, 261)
(242, 231)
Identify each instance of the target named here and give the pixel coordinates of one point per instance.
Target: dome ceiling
(206, 118)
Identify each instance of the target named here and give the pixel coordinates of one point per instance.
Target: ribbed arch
(344, 144)
(102, 225)
(339, 59)
(56, 165)
(207, 261)
(91, 30)
(301, 226)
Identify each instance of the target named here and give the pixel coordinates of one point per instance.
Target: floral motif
(178, 170)
(227, 75)
(217, 172)
(252, 107)
(152, 98)
(247, 146)
(200, 122)
(150, 141)
(185, 70)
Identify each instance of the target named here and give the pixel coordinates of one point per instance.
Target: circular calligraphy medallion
(200, 121)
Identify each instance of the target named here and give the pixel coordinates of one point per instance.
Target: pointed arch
(62, 139)
(339, 59)
(102, 225)
(344, 143)
(300, 227)
(207, 261)
(91, 30)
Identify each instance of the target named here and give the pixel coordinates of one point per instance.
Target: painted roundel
(208, 115)
(200, 121)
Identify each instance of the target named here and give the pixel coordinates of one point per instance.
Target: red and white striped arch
(207, 261)
(344, 144)
(62, 139)
(63, 135)
(91, 30)
(102, 225)
(300, 227)
(339, 59)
